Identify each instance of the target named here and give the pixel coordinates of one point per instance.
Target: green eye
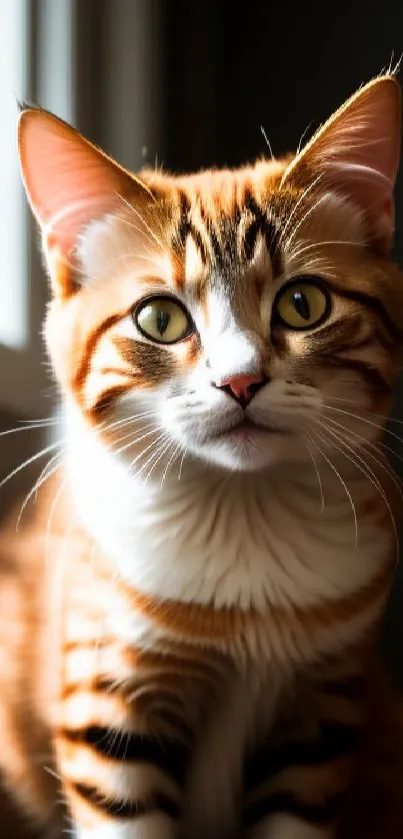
(302, 304)
(163, 320)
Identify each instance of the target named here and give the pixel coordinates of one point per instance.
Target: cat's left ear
(69, 183)
(356, 153)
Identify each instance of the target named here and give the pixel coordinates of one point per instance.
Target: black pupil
(301, 305)
(163, 319)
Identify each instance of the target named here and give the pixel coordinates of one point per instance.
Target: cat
(190, 619)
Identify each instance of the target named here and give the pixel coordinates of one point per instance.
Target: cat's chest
(254, 550)
(252, 564)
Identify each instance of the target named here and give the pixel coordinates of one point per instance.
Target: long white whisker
(126, 420)
(147, 448)
(295, 208)
(364, 419)
(317, 245)
(315, 465)
(134, 439)
(375, 446)
(353, 402)
(54, 504)
(142, 220)
(31, 427)
(181, 463)
(155, 456)
(366, 470)
(27, 462)
(303, 218)
(385, 466)
(45, 474)
(343, 483)
(174, 455)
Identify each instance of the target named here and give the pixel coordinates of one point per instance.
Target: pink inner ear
(358, 152)
(69, 181)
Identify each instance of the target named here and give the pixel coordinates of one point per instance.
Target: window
(36, 64)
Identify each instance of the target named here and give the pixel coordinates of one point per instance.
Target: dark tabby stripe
(351, 687)
(150, 363)
(121, 809)
(198, 241)
(217, 249)
(109, 396)
(90, 348)
(370, 374)
(168, 755)
(262, 224)
(179, 240)
(250, 239)
(287, 802)
(334, 740)
(372, 303)
(344, 334)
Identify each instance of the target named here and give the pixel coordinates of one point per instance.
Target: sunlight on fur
(188, 641)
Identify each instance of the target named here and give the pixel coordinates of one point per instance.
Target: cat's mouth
(246, 430)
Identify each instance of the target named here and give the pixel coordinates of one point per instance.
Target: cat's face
(241, 318)
(241, 346)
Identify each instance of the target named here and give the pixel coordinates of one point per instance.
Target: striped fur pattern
(217, 563)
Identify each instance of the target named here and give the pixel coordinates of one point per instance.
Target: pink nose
(243, 387)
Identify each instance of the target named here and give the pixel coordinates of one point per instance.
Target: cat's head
(243, 317)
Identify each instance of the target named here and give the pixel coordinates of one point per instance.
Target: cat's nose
(242, 387)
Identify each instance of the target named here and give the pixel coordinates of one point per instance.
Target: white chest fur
(251, 540)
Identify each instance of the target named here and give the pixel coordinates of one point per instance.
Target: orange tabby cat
(191, 626)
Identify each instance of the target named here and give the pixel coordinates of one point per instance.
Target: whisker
(366, 442)
(317, 245)
(385, 417)
(315, 465)
(367, 471)
(181, 463)
(32, 426)
(142, 220)
(304, 217)
(159, 454)
(43, 477)
(174, 455)
(367, 421)
(147, 448)
(133, 441)
(28, 461)
(343, 483)
(125, 420)
(267, 141)
(302, 197)
(52, 510)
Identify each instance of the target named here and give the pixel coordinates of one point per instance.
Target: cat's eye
(163, 320)
(302, 304)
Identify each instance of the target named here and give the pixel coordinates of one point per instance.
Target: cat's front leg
(296, 782)
(122, 785)
(123, 746)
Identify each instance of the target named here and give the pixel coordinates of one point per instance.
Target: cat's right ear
(69, 183)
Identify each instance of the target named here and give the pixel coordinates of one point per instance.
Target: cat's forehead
(208, 224)
(222, 221)
(223, 189)
(215, 229)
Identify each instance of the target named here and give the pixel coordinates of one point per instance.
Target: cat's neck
(215, 537)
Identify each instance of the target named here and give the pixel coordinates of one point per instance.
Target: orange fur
(114, 681)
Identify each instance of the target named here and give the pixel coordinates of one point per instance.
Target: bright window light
(14, 315)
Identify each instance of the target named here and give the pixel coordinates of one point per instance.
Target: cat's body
(222, 541)
(85, 640)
